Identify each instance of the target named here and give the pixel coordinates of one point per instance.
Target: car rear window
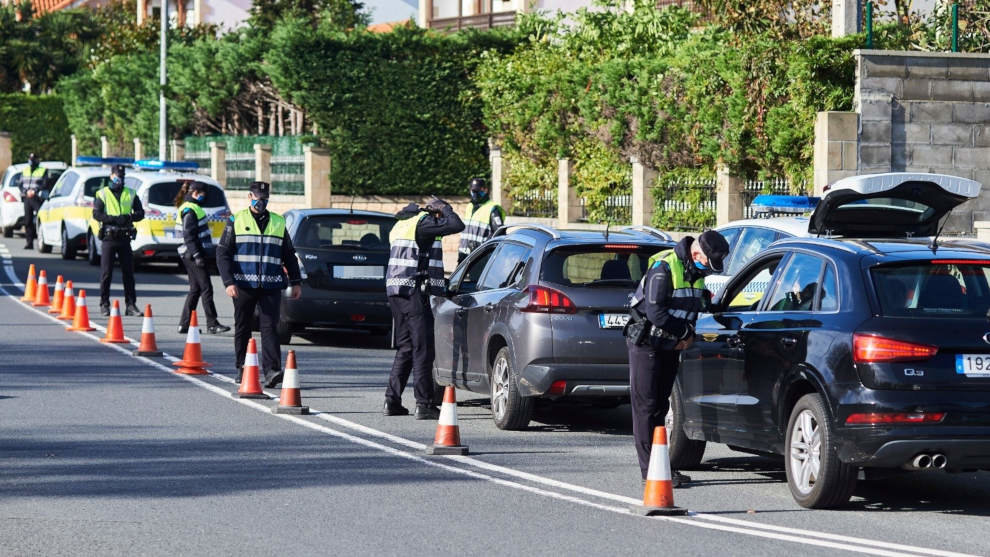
(949, 288)
(592, 265)
(334, 231)
(163, 193)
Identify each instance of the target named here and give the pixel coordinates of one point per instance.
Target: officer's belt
(657, 332)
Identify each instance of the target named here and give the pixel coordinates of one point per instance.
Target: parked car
(870, 351)
(11, 207)
(342, 255)
(538, 313)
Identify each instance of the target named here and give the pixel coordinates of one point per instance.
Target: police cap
(117, 170)
(716, 248)
(261, 190)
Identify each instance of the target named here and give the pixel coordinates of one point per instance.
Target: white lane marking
(781, 533)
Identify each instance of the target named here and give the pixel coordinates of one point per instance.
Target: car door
(53, 211)
(496, 293)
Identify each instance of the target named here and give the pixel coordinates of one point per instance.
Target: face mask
(198, 199)
(478, 196)
(116, 183)
(259, 205)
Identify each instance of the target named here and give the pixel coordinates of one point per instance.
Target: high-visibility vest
(477, 225)
(113, 206)
(31, 179)
(202, 227)
(404, 260)
(258, 255)
(687, 298)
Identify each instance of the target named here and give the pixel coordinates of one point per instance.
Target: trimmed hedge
(37, 124)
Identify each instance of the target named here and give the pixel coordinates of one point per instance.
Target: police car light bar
(155, 164)
(769, 205)
(103, 160)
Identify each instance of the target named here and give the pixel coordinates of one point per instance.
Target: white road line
(781, 533)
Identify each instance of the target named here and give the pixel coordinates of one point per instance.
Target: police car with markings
(157, 183)
(11, 206)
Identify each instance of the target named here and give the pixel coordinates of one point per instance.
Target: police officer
(252, 252)
(481, 219)
(415, 270)
(116, 208)
(34, 181)
(661, 323)
(195, 249)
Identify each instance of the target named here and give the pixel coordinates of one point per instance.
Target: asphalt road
(105, 453)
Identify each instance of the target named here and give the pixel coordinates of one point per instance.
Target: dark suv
(857, 353)
(539, 312)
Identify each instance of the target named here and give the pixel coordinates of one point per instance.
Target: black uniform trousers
(200, 286)
(412, 319)
(269, 304)
(651, 379)
(31, 206)
(121, 250)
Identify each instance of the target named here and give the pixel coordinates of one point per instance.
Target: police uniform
(32, 179)
(415, 270)
(116, 212)
(663, 312)
(195, 249)
(480, 223)
(251, 254)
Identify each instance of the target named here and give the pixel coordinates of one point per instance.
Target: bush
(37, 124)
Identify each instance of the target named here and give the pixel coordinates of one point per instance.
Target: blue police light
(155, 164)
(80, 161)
(774, 205)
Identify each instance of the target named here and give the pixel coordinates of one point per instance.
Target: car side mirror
(728, 321)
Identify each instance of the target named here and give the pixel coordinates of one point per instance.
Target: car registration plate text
(358, 272)
(612, 320)
(973, 365)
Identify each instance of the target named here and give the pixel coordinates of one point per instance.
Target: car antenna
(607, 224)
(352, 203)
(934, 244)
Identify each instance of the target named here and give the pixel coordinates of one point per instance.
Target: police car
(11, 207)
(63, 220)
(156, 184)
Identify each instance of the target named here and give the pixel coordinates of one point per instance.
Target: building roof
(388, 26)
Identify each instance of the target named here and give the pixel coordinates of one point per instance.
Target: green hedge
(36, 124)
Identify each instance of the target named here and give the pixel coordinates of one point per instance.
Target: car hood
(892, 205)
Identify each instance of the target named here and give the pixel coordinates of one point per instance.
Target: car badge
(309, 256)
(986, 338)
(709, 337)
(360, 258)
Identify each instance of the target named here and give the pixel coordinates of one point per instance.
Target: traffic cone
(30, 286)
(59, 298)
(81, 322)
(148, 347)
(192, 357)
(68, 304)
(290, 402)
(250, 380)
(115, 327)
(41, 298)
(658, 493)
(448, 437)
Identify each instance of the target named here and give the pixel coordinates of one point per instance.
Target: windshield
(344, 231)
(164, 194)
(943, 288)
(608, 264)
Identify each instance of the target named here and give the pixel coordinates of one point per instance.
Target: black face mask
(116, 183)
(259, 205)
(478, 196)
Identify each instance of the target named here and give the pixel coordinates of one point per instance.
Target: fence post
(218, 162)
(498, 173)
(567, 198)
(263, 162)
(316, 177)
(104, 146)
(178, 150)
(643, 203)
(729, 198)
(73, 149)
(6, 154)
(138, 149)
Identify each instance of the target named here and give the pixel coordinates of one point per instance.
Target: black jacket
(658, 287)
(101, 216)
(228, 247)
(190, 235)
(431, 227)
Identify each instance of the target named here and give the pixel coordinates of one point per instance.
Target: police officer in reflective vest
(481, 219)
(252, 252)
(196, 248)
(415, 270)
(116, 208)
(662, 315)
(33, 183)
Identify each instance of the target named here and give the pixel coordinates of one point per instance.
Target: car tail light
(9, 197)
(152, 212)
(871, 349)
(148, 252)
(302, 267)
(356, 221)
(960, 262)
(557, 388)
(868, 418)
(548, 300)
(621, 246)
(357, 317)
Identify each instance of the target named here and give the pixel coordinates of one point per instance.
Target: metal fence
(534, 204)
(286, 160)
(202, 158)
(616, 209)
(685, 204)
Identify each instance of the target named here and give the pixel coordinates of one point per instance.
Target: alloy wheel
(806, 446)
(500, 387)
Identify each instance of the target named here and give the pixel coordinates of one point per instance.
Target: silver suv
(538, 313)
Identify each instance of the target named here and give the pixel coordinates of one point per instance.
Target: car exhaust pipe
(922, 462)
(939, 461)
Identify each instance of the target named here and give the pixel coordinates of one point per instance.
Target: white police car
(11, 208)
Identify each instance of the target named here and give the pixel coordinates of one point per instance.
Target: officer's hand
(200, 262)
(436, 205)
(29, 193)
(232, 290)
(296, 292)
(685, 344)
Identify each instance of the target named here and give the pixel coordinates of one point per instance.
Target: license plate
(169, 233)
(973, 365)
(612, 320)
(358, 272)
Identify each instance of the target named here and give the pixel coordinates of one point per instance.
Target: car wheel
(92, 257)
(685, 453)
(8, 231)
(283, 330)
(42, 246)
(68, 250)
(815, 475)
(510, 410)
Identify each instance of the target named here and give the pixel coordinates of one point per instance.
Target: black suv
(857, 353)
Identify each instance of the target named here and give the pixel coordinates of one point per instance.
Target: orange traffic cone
(658, 494)
(81, 322)
(41, 298)
(59, 298)
(68, 304)
(448, 437)
(30, 286)
(250, 380)
(148, 347)
(290, 402)
(115, 327)
(192, 357)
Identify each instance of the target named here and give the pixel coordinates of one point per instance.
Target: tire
(8, 231)
(91, 256)
(510, 410)
(822, 482)
(685, 453)
(68, 250)
(283, 330)
(42, 246)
